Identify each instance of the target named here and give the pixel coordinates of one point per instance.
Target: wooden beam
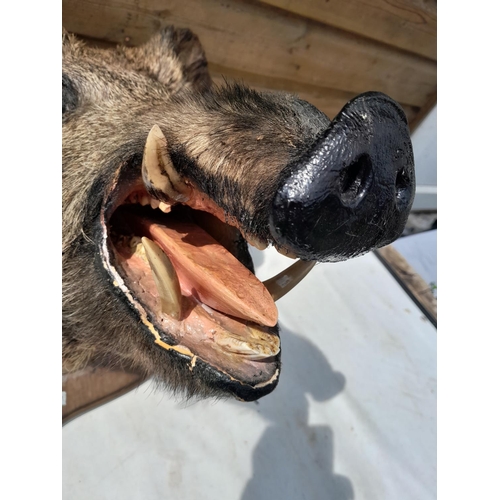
(253, 38)
(410, 280)
(330, 101)
(407, 24)
(423, 112)
(92, 387)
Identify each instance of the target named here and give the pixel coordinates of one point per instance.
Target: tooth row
(256, 345)
(144, 200)
(165, 277)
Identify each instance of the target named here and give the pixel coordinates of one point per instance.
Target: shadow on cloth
(293, 459)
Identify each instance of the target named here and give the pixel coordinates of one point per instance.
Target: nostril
(355, 179)
(403, 192)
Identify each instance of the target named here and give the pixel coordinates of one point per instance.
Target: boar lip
(263, 374)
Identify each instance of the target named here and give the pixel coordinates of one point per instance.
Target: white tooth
(144, 200)
(257, 345)
(165, 278)
(165, 207)
(283, 282)
(158, 172)
(138, 248)
(154, 203)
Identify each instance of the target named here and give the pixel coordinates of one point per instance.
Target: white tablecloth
(354, 414)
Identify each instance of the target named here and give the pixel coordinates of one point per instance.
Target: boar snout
(353, 190)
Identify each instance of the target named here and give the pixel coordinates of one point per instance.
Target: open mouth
(184, 267)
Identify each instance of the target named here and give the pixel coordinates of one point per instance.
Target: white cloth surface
(353, 416)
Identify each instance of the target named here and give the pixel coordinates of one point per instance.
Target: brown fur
(231, 142)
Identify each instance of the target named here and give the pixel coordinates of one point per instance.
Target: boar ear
(188, 49)
(174, 57)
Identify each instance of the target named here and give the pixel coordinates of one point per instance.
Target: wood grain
(87, 389)
(423, 112)
(328, 100)
(410, 280)
(254, 38)
(407, 24)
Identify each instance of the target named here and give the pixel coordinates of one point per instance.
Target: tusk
(283, 282)
(158, 173)
(165, 278)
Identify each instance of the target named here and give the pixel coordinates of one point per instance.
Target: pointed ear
(174, 57)
(192, 56)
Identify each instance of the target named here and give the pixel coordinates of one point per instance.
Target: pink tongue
(209, 272)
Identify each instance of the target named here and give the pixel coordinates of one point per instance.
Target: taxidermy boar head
(166, 178)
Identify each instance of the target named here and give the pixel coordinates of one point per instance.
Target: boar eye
(69, 95)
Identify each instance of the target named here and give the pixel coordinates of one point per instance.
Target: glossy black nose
(353, 191)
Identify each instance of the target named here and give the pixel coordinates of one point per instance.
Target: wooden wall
(326, 51)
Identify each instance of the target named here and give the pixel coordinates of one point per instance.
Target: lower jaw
(205, 341)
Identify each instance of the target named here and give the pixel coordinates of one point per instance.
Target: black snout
(352, 192)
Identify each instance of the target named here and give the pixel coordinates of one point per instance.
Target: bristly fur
(230, 141)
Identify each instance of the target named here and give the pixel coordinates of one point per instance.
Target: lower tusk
(165, 277)
(283, 282)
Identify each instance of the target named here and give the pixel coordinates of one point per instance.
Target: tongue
(211, 274)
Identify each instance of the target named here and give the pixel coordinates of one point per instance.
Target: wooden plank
(253, 38)
(410, 280)
(407, 24)
(328, 100)
(87, 389)
(423, 112)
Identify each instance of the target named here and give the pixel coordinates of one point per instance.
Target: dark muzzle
(352, 192)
